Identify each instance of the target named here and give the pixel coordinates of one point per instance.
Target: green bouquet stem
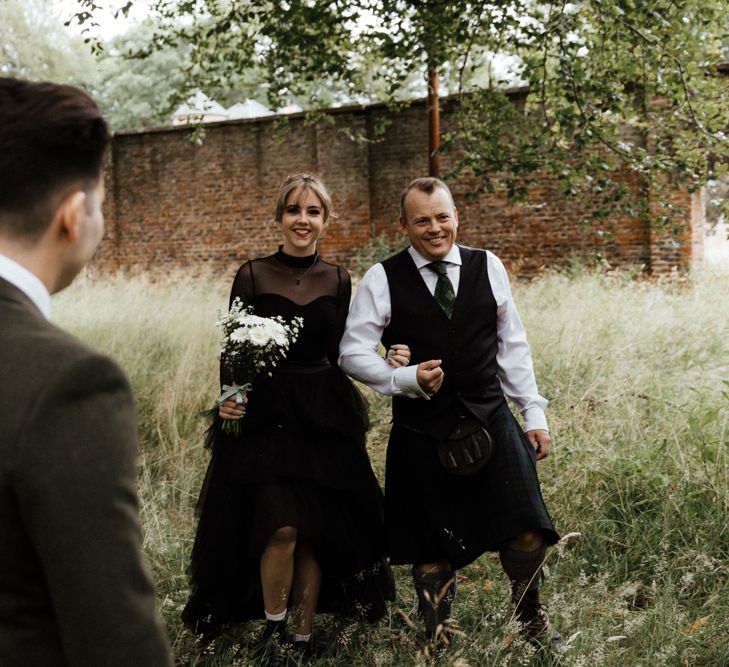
(232, 426)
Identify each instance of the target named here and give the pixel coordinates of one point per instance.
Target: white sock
(302, 638)
(275, 617)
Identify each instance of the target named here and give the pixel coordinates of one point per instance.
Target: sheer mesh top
(307, 287)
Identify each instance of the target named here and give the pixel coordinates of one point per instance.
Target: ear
(69, 215)
(403, 226)
(455, 216)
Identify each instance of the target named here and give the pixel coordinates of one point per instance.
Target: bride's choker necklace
(292, 261)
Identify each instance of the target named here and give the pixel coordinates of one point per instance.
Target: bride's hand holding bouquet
(250, 346)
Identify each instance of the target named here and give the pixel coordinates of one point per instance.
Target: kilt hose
(432, 515)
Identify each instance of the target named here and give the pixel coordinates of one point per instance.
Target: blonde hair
(303, 183)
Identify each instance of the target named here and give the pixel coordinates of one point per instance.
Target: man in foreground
(73, 587)
(447, 498)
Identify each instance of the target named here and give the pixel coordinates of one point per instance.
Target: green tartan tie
(444, 294)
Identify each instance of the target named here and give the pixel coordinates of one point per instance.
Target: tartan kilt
(431, 514)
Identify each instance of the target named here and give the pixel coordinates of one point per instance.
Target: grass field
(637, 374)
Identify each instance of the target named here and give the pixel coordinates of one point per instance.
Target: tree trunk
(434, 122)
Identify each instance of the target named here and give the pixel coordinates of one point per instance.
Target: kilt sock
(436, 592)
(524, 568)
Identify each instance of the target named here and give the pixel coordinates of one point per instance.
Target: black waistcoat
(467, 343)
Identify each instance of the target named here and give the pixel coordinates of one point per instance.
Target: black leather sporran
(467, 448)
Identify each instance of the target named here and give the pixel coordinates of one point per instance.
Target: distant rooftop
(201, 109)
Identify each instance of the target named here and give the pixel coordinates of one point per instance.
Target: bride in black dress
(290, 515)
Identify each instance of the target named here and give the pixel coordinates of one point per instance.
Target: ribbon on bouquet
(233, 390)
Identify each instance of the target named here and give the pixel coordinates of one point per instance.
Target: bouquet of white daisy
(251, 346)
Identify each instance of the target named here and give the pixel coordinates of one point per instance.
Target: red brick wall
(174, 203)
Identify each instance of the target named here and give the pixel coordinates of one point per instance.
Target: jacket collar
(26, 282)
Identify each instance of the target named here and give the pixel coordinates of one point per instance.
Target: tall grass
(638, 379)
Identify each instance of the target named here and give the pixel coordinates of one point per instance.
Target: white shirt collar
(26, 282)
(453, 256)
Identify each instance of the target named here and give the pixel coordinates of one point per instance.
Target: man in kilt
(447, 311)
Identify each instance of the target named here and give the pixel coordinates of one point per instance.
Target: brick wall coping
(515, 91)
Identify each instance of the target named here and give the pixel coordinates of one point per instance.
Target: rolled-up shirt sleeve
(514, 357)
(358, 350)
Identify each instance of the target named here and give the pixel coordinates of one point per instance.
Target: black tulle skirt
(300, 460)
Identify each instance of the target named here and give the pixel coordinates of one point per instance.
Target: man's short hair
(427, 184)
(52, 138)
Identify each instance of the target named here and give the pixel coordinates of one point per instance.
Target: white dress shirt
(26, 282)
(370, 314)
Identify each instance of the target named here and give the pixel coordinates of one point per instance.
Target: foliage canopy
(33, 45)
(635, 85)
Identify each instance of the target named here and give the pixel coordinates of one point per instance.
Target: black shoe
(536, 626)
(444, 637)
(304, 648)
(274, 644)
(301, 654)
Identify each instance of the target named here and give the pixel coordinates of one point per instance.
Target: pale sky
(108, 26)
